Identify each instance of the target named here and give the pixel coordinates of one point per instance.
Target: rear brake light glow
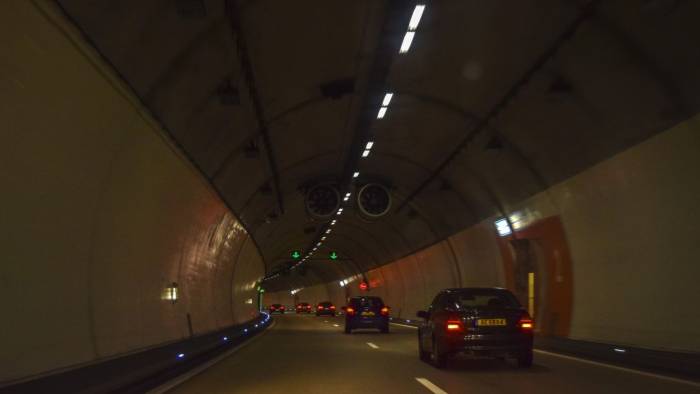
(455, 326)
(333, 307)
(350, 311)
(320, 307)
(526, 324)
(384, 311)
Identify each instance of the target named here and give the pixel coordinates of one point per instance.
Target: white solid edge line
(169, 385)
(404, 325)
(373, 346)
(583, 360)
(430, 386)
(630, 370)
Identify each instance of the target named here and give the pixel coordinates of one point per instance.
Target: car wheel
(437, 357)
(348, 330)
(525, 359)
(422, 355)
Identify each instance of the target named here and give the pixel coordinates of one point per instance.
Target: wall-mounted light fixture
(171, 293)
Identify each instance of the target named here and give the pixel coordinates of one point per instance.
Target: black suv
(475, 321)
(366, 312)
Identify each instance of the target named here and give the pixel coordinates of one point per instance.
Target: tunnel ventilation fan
(322, 201)
(374, 200)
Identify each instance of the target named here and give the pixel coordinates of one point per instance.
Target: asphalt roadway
(309, 354)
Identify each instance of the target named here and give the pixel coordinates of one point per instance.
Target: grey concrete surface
(308, 354)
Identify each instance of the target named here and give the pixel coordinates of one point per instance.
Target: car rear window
(485, 298)
(325, 303)
(367, 302)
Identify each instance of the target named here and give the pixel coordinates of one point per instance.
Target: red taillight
(281, 308)
(272, 308)
(455, 326)
(320, 307)
(308, 307)
(384, 311)
(332, 307)
(526, 324)
(350, 311)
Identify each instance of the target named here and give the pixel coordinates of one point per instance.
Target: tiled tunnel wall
(620, 269)
(100, 214)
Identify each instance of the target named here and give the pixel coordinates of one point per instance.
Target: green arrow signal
(296, 254)
(333, 256)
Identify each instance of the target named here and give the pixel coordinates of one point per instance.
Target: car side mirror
(423, 314)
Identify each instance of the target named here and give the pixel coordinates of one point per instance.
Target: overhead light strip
(407, 40)
(415, 18)
(387, 99)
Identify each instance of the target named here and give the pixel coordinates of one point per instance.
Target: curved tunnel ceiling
(529, 96)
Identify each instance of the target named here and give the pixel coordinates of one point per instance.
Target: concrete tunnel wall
(100, 213)
(624, 267)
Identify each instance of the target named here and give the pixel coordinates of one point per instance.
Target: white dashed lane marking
(430, 386)
(373, 346)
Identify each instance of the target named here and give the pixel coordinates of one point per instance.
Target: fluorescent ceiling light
(328, 231)
(406, 44)
(346, 198)
(356, 174)
(387, 99)
(415, 18)
(382, 112)
(323, 238)
(502, 227)
(347, 194)
(369, 146)
(365, 153)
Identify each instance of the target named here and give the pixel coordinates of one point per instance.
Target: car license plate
(490, 322)
(367, 313)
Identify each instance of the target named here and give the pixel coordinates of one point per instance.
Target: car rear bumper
(490, 345)
(376, 322)
(325, 312)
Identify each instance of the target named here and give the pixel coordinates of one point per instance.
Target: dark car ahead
(366, 312)
(303, 307)
(279, 308)
(475, 321)
(325, 308)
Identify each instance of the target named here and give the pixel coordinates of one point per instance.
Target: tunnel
(173, 169)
